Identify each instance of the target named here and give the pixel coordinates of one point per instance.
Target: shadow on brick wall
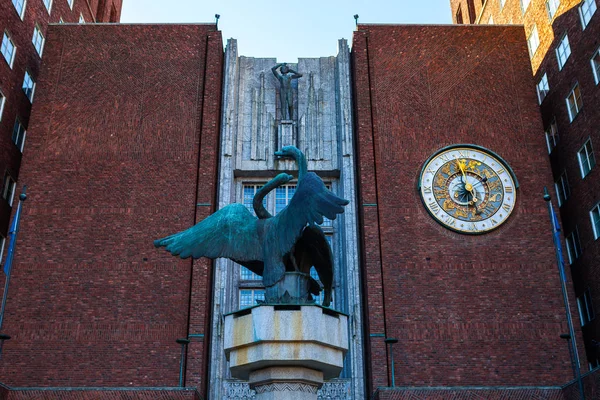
(3, 392)
(167, 393)
(464, 393)
(591, 385)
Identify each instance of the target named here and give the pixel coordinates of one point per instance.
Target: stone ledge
(288, 336)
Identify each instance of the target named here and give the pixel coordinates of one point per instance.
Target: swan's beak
(279, 154)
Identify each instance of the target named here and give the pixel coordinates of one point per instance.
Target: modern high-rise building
(23, 26)
(564, 48)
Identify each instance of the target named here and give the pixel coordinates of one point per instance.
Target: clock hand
(481, 181)
(474, 191)
(473, 196)
(460, 166)
(470, 189)
(474, 201)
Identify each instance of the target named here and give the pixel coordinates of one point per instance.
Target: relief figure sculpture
(285, 75)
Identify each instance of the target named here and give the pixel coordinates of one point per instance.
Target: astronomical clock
(468, 189)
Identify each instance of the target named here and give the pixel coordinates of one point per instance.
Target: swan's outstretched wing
(230, 232)
(311, 202)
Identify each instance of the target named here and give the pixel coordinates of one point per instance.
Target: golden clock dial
(468, 189)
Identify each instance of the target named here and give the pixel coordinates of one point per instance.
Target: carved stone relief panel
(338, 389)
(317, 112)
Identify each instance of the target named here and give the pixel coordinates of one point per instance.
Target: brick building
(453, 297)
(158, 127)
(23, 25)
(564, 50)
(116, 191)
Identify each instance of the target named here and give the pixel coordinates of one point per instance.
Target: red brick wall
(201, 278)
(591, 386)
(103, 395)
(536, 14)
(103, 10)
(11, 79)
(585, 192)
(122, 146)
(467, 310)
(470, 393)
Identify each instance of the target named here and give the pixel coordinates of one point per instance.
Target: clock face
(468, 189)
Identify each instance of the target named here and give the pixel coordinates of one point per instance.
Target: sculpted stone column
(286, 383)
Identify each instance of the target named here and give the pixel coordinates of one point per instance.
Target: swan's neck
(257, 201)
(302, 164)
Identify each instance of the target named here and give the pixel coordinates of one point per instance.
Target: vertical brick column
(369, 212)
(201, 284)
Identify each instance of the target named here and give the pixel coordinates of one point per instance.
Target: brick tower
(562, 38)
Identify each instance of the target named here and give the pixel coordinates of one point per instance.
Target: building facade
(451, 297)
(445, 246)
(252, 130)
(23, 25)
(141, 90)
(563, 47)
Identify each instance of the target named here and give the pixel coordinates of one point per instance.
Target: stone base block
(276, 383)
(293, 288)
(286, 336)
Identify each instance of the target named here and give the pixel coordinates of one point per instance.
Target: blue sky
(287, 30)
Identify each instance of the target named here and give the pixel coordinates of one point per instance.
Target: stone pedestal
(286, 383)
(286, 351)
(291, 289)
(286, 133)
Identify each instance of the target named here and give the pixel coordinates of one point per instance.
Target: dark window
(28, 85)
(2, 101)
(471, 7)
(586, 309)
(573, 246)
(18, 136)
(459, 19)
(113, 14)
(563, 190)
(2, 243)
(100, 11)
(9, 188)
(587, 159)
